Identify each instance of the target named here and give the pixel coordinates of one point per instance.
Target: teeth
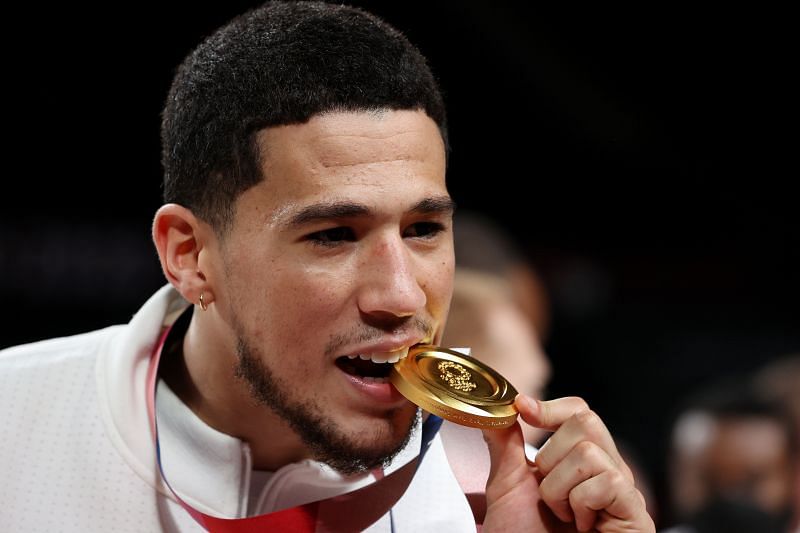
(368, 379)
(382, 357)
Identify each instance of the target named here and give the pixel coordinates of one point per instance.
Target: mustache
(365, 333)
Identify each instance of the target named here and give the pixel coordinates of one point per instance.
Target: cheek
(442, 282)
(305, 299)
(438, 287)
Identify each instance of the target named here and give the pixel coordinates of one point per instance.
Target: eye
(423, 229)
(332, 236)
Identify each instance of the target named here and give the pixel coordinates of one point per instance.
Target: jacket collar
(207, 469)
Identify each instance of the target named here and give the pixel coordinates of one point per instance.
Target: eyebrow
(435, 205)
(334, 210)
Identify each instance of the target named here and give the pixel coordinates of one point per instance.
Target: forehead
(336, 150)
(748, 434)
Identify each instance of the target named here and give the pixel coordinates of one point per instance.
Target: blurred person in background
(498, 314)
(500, 308)
(501, 311)
(779, 381)
(732, 464)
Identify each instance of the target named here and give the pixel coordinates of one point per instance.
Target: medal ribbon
(332, 514)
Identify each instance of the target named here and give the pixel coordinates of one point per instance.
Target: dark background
(642, 156)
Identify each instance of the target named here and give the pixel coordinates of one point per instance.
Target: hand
(578, 482)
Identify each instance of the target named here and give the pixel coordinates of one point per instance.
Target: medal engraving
(455, 375)
(455, 386)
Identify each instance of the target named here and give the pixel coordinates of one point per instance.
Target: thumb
(507, 446)
(513, 502)
(509, 466)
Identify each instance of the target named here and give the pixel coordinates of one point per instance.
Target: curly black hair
(281, 63)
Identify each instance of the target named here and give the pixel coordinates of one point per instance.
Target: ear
(179, 237)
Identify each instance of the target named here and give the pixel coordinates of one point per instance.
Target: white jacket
(77, 454)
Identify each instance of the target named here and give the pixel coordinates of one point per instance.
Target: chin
(387, 431)
(368, 445)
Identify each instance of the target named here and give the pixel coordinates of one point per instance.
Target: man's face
(342, 253)
(750, 458)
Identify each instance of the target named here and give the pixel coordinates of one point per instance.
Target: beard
(329, 443)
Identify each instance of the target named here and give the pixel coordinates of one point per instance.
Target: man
(733, 462)
(777, 382)
(308, 221)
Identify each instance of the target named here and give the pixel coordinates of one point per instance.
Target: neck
(200, 370)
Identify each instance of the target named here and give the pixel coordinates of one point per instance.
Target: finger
(548, 414)
(611, 493)
(583, 462)
(584, 425)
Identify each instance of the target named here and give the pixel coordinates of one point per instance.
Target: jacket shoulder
(52, 351)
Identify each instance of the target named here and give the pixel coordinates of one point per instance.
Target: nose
(390, 283)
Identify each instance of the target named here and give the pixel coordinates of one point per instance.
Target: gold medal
(456, 387)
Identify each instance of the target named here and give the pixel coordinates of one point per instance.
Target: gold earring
(203, 305)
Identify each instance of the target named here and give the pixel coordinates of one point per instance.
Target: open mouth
(371, 368)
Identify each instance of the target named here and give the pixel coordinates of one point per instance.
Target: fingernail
(529, 403)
